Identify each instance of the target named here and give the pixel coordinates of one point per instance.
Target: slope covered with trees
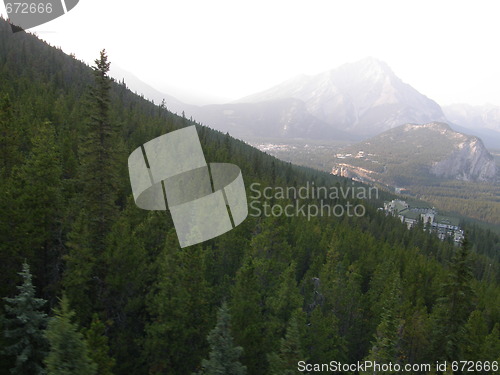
(125, 298)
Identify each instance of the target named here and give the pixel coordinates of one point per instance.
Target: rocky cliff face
(417, 152)
(469, 162)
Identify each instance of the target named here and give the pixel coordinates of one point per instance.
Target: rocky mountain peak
(369, 69)
(363, 98)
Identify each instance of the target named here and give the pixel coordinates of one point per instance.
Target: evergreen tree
(322, 340)
(285, 361)
(6, 362)
(97, 343)
(285, 301)
(179, 305)
(99, 158)
(98, 176)
(10, 137)
(476, 332)
(491, 347)
(343, 298)
(128, 274)
(251, 327)
(387, 345)
(24, 328)
(38, 182)
(416, 335)
(224, 354)
(454, 307)
(68, 353)
(31, 199)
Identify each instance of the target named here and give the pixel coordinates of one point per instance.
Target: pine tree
(476, 332)
(98, 176)
(25, 328)
(322, 340)
(343, 298)
(416, 335)
(387, 345)
(31, 200)
(10, 137)
(285, 301)
(99, 155)
(285, 361)
(179, 305)
(68, 353)
(97, 343)
(491, 347)
(453, 308)
(287, 298)
(251, 328)
(127, 276)
(38, 183)
(224, 354)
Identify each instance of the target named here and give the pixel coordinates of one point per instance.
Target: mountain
(350, 103)
(482, 121)
(281, 118)
(469, 116)
(363, 98)
(412, 153)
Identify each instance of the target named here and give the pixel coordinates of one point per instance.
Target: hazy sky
(448, 50)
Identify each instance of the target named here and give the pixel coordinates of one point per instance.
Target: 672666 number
(28, 8)
(472, 366)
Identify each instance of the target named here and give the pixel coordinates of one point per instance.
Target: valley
(326, 122)
(461, 199)
(315, 154)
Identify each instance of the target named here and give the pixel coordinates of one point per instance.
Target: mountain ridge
(419, 151)
(352, 102)
(364, 97)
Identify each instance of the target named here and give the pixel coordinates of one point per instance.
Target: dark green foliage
(97, 343)
(322, 338)
(10, 137)
(179, 304)
(38, 181)
(454, 306)
(69, 353)
(285, 300)
(224, 354)
(388, 337)
(250, 326)
(32, 201)
(98, 156)
(24, 328)
(127, 276)
(99, 183)
(491, 345)
(290, 353)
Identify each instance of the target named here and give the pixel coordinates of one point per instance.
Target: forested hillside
(95, 285)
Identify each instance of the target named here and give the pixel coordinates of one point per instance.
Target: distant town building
(443, 226)
(402, 190)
